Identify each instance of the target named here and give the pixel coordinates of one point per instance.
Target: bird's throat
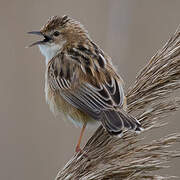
(49, 51)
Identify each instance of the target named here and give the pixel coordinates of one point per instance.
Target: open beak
(46, 38)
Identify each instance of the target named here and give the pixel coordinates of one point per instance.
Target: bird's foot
(80, 151)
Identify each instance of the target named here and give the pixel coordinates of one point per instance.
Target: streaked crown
(66, 26)
(55, 22)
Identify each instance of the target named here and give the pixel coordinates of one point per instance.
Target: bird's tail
(115, 122)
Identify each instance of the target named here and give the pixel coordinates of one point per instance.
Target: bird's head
(57, 32)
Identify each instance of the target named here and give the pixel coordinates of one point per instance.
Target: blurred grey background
(33, 144)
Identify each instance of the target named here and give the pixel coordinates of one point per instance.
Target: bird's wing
(79, 87)
(95, 99)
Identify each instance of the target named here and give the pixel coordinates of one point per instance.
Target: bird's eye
(56, 33)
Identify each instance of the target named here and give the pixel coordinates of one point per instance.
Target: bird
(80, 79)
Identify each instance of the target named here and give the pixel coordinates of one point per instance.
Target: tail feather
(117, 121)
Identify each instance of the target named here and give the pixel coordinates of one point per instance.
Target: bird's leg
(78, 149)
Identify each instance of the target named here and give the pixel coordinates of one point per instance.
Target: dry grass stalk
(151, 99)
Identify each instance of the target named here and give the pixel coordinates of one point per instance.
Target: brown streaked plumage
(80, 80)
